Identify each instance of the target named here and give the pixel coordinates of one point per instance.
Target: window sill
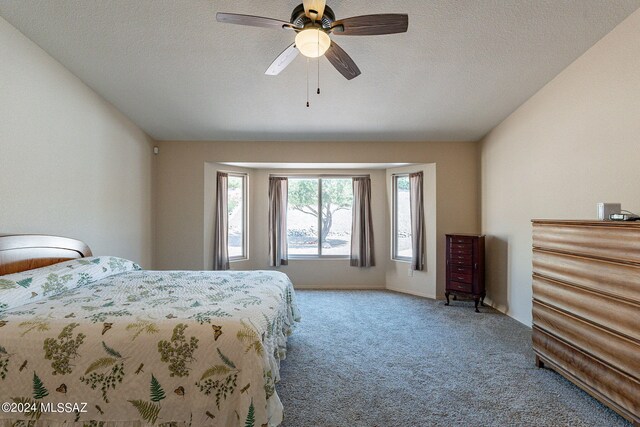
(319, 258)
(404, 260)
(238, 259)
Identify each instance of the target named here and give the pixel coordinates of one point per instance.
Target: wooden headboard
(21, 252)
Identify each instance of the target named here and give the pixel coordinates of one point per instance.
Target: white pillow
(34, 285)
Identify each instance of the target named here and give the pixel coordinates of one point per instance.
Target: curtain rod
(232, 172)
(402, 173)
(327, 175)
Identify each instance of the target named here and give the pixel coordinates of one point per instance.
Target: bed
(97, 341)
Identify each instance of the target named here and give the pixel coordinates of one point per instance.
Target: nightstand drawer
(460, 287)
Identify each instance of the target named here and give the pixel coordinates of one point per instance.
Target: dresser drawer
(461, 239)
(461, 287)
(461, 248)
(607, 312)
(460, 256)
(461, 259)
(463, 278)
(621, 280)
(460, 269)
(607, 346)
(612, 387)
(608, 240)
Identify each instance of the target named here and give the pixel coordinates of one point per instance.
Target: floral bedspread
(99, 342)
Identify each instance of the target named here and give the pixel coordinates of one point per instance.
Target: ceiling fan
(313, 22)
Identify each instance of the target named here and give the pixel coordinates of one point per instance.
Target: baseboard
(405, 291)
(360, 288)
(339, 287)
(488, 301)
(498, 307)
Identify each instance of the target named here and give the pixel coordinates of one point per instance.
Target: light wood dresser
(586, 307)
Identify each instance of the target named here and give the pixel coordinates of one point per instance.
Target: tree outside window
(319, 216)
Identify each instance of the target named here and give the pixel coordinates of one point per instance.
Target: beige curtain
(278, 250)
(221, 236)
(361, 224)
(416, 201)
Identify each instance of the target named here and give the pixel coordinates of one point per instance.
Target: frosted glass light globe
(312, 42)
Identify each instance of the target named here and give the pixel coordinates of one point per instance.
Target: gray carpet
(375, 358)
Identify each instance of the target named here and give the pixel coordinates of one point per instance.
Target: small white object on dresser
(606, 209)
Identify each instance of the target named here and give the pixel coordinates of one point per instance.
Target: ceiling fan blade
(284, 59)
(343, 62)
(371, 25)
(254, 21)
(314, 9)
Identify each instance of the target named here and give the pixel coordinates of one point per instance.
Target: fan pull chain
(307, 82)
(318, 60)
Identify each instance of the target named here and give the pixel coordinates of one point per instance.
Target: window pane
(235, 209)
(402, 232)
(302, 216)
(337, 199)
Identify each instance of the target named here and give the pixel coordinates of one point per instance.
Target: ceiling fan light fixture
(312, 42)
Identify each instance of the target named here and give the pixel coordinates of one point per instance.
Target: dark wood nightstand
(465, 267)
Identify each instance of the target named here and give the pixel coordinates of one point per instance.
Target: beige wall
(180, 196)
(572, 145)
(70, 163)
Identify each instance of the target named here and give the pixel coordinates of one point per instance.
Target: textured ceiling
(462, 67)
